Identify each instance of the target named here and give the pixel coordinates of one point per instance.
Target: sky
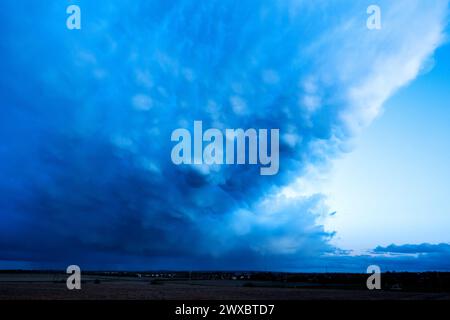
(86, 176)
(403, 160)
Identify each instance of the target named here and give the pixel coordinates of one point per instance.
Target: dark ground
(219, 285)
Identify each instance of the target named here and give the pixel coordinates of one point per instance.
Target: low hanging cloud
(85, 170)
(424, 248)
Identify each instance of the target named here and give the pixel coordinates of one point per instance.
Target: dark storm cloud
(85, 171)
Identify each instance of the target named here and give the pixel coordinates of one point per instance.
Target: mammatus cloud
(86, 171)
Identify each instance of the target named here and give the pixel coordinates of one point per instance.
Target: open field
(46, 286)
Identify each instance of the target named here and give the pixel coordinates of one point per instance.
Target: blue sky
(85, 170)
(401, 161)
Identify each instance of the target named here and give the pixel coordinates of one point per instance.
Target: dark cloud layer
(88, 117)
